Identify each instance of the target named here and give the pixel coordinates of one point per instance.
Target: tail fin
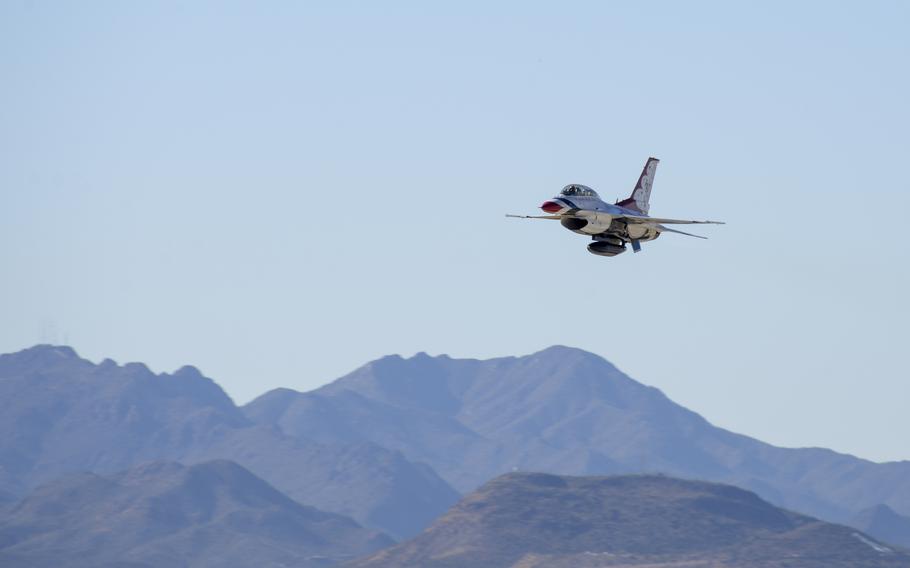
(641, 195)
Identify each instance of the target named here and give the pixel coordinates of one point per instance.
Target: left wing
(658, 223)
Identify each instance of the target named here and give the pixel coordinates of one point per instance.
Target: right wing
(554, 217)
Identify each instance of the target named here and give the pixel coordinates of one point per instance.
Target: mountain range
(566, 411)
(532, 520)
(62, 414)
(394, 443)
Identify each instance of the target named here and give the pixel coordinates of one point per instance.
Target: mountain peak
(566, 355)
(562, 350)
(64, 351)
(42, 352)
(137, 367)
(188, 372)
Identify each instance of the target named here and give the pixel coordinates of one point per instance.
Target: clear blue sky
(278, 192)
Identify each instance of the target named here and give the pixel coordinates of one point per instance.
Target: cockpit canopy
(578, 190)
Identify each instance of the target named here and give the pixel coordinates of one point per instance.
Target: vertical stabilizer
(641, 195)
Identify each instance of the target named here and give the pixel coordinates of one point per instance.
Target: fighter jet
(579, 209)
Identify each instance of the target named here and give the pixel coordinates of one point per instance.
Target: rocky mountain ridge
(62, 414)
(566, 411)
(530, 520)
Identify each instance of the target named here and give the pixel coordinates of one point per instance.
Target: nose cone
(551, 206)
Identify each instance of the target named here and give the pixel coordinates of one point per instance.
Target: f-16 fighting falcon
(579, 209)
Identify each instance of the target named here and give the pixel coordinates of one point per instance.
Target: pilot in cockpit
(578, 191)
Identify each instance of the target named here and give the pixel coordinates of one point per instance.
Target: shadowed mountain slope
(166, 514)
(883, 523)
(377, 487)
(525, 520)
(566, 411)
(61, 414)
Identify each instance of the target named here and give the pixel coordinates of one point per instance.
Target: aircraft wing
(657, 221)
(654, 221)
(554, 217)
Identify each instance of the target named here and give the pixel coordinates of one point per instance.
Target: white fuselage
(593, 216)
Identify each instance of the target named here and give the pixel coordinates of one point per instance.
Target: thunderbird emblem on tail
(579, 209)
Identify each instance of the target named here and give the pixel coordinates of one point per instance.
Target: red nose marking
(551, 206)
